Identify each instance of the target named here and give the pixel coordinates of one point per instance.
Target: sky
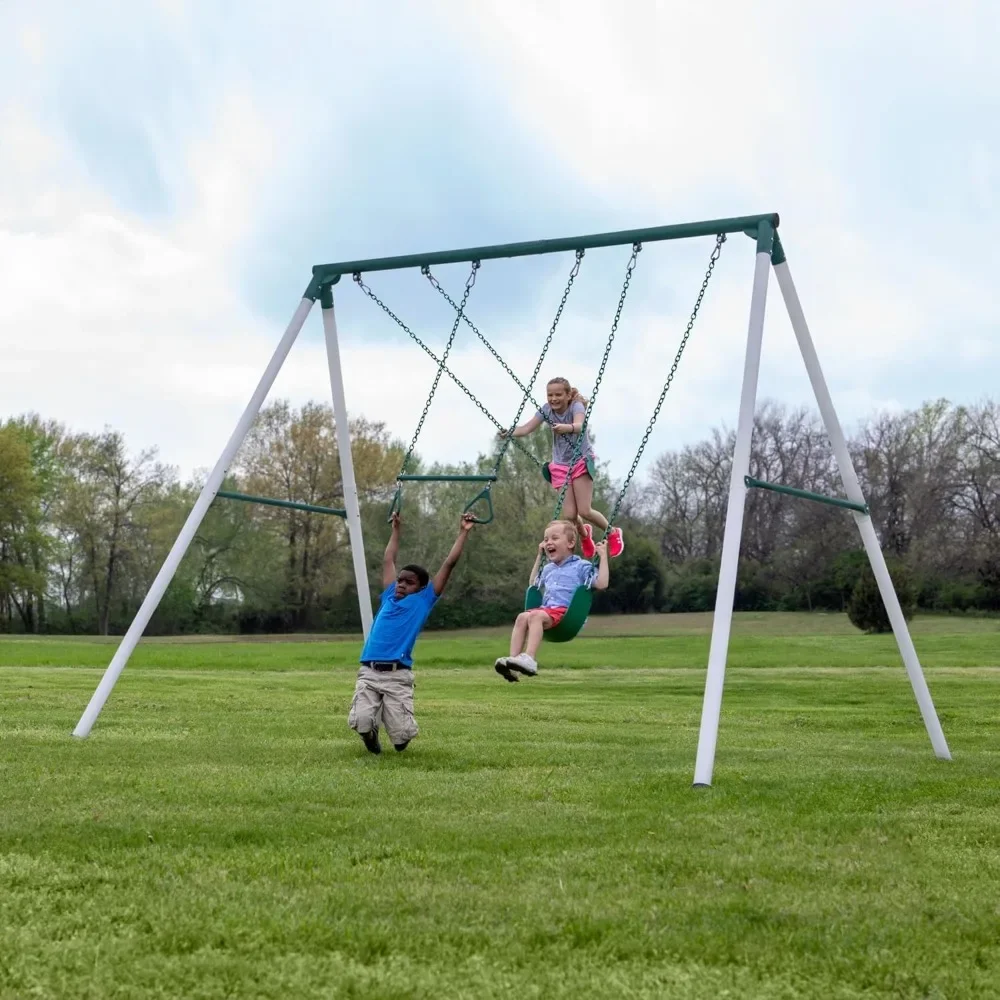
(171, 170)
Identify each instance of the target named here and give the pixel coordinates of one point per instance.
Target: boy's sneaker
(371, 742)
(502, 667)
(400, 747)
(523, 664)
(616, 543)
(587, 547)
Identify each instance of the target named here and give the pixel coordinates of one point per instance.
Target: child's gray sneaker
(502, 667)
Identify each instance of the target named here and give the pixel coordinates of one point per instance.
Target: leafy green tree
(21, 583)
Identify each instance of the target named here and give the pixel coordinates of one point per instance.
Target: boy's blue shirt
(397, 624)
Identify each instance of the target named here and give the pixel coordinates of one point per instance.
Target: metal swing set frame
(770, 254)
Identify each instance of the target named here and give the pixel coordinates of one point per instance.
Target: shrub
(866, 609)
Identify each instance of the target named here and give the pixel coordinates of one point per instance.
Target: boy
(564, 572)
(384, 691)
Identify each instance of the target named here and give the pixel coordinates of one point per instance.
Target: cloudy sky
(171, 169)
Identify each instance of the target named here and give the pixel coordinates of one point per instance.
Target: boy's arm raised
(441, 577)
(391, 551)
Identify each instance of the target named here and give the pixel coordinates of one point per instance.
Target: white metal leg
(853, 489)
(347, 468)
(724, 596)
(194, 519)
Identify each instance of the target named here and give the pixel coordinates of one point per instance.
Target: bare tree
(101, 499)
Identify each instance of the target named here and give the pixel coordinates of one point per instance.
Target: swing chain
(719, 240)
(469, 282)
(636, 250)
(425, 270)
(468, 392)
(509, 436)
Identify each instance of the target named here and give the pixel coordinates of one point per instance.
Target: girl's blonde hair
(575, 396)
(569, 527)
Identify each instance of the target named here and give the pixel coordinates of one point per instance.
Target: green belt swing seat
(576, 614)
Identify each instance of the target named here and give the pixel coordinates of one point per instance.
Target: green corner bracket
(777, 251)
(321, 287)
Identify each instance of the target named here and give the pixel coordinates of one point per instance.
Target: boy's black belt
(385, 665)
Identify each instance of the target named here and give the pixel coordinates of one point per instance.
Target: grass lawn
(223, 834)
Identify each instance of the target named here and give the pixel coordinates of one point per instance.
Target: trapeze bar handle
(759, 484)
(484, 494)
(397, 503)
(270, 502)
(444, 478)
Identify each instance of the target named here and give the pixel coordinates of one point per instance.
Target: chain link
(486, 413)
(636, 250)
(436, 285)
(719, 240)
(527, 390)
(509, 436)
(469, 282)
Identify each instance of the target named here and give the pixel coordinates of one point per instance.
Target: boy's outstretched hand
(602, 549)
(395, 520)
(468, 520)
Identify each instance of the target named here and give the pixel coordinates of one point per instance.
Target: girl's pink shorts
(558, 472)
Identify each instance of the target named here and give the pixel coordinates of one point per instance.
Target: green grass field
(223, 834)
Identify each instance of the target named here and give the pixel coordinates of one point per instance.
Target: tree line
(85, 524)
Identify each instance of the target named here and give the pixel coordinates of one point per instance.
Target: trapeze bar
(444, 478)
(324, 274)
(269, 502)
(791, 491)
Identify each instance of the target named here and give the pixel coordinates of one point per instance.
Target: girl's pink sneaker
(587, 547)
(616, 543)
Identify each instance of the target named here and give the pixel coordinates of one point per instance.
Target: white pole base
(725, 594)
(351, 503)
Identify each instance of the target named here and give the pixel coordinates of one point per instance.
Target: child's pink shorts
(558, 472)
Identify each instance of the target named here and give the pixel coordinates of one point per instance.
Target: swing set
(579, 608)
(770, 254)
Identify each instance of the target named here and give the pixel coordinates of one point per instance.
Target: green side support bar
(326, 274)
(759, 484)
(269, 502)
(445, 478)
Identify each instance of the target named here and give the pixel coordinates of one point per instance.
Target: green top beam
(777, 251)
(325, 274)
